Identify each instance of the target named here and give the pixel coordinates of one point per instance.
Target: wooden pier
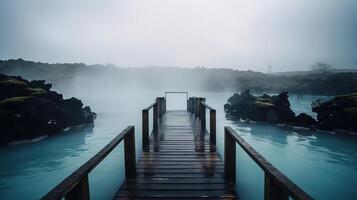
(179, 160)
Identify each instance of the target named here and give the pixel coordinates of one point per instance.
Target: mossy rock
(14, 100)
(13, 82)
(350, 111)
(39, 93)
(263, 104)
(349, 98)
(35, 91)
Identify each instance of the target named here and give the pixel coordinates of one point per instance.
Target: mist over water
(315, 161)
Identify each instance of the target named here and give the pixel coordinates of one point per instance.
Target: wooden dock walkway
(179, 160)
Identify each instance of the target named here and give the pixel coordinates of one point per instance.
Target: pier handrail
(212, 114)
(159, 108)
(276, 184)
(76, 185)
(176, 92)
(198, 106)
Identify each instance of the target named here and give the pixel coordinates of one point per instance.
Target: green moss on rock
(12, 82)
(14, 100)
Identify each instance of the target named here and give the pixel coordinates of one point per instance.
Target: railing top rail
(72, 180)
(207, 106)
(150, 106)
(285, 183)
(177, 92)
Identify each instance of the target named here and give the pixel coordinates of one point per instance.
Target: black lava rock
(31, 109)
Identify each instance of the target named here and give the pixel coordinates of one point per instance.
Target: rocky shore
(30, 109)
(339, 113)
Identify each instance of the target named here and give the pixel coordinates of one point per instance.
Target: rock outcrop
(31, 109)
(338, 113)
(266, 108)
(275, 109)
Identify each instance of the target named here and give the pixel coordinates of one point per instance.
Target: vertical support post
(191, 104)
(188, 105)
(272, 191)
(202, 113)
(158, 101)
(129, 154)
(229, 157)
(164, 105)
(212, 126)
(81, 191)
(194, 106)
(197, 106)
(155, 117)
(145, 129)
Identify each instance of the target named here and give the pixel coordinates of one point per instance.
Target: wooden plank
(180, 170)
(179, 163)
(187, 186)
(172, 198)
(175, 193)
(168, 175)
(210, 180)
(168, 166)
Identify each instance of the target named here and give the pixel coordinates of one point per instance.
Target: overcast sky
(242, 34)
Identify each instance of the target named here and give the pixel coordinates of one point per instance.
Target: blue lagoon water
(323, 164)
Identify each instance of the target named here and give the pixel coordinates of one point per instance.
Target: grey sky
(243, 34)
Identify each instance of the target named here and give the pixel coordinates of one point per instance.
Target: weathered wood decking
(181, 162)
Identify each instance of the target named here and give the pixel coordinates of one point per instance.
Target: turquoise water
(323, 164)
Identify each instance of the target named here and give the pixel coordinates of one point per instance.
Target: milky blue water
(323, 164)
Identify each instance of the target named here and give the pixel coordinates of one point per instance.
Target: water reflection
(335, 148)
(307, 157)
(48, 160)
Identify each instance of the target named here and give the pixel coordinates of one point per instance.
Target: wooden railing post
(202, 113)
(229, 157)
(129, 154)
(212, 126)
(145, 129)
(155, 117)
(158, 101)
(190, 104)
(197, 106)
(272, 191)
(81, 191)
(161, 102)
(193, 105)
